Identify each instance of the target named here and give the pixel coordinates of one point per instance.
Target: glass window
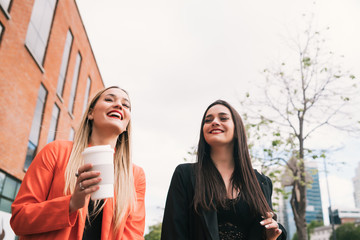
(36, 126)
(8, 190)
(53, 124)
(5, 205)
(30, 154)
(87, 92)
(38, 115)
(64, 64)
(5, 5)
(72, 134)
(1, 30)
(39, 28)
(74, 83)
(2, 179)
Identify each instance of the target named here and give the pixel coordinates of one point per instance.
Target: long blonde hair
(124, 179)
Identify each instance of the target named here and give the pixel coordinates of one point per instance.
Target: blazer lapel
(107, 219)
(211, 222)
(209, 217)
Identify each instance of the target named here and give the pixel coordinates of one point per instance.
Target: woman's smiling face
(111, 111)
(218, 126)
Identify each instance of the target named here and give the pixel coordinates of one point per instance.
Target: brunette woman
(220, 196)
(53, 200)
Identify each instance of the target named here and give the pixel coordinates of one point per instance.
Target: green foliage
(347, 231)
(154, 232)
(313, 224)
(295, 237)
(310, 228)
(306, 62)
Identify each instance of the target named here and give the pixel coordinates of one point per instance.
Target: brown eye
(125, 105)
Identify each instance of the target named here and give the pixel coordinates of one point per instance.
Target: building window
(64, 64)
(5, 6)
(87, 93)
(35, 127)
(74, 83)
(39, 28)
(1, 31)
(53, 124)
(9, 187)
(72, 134)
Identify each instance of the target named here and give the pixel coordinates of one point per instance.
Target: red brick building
(47, 74)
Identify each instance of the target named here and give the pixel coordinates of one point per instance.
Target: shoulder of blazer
(265, 183)
(262, 179)
(186, 171)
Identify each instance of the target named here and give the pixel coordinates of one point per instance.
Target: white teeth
(216, 131)
(115, 114)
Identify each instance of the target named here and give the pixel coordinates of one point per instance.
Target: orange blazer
(41, 210)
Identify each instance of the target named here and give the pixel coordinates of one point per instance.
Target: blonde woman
(53, 201)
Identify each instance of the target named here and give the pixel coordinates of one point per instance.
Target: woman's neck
(223, 160)
(98, 138)
(223, 157)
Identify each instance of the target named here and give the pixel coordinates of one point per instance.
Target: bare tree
(301, 95)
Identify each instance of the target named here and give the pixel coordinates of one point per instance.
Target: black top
(93, 225)
(181, 221)
(234, 220)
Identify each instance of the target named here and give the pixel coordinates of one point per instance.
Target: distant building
(313, 204)
(346, 215)
(277, 198)
(356, 183)
(322, 233)
(289, 223)
(47, 74)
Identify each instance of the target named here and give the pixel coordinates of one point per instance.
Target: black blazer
(181, 222)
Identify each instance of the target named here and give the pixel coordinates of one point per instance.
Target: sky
(175, 57)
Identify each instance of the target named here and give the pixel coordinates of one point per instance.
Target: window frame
(29, 44)
(30, 140)
(62, 76)
(2, 31)
(56, 123)
(2, 186)
(6, 11)
(74, 84)
(87, 93)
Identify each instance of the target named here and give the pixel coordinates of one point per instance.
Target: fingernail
(267, 226)
(262, 222)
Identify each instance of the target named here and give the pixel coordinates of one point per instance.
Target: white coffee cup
(102, 159)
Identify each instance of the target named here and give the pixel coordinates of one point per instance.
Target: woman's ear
(90, 115)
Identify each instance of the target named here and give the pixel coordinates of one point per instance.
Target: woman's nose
(215, 122)
(118, 105)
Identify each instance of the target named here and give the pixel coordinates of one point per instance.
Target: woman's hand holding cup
(85, 185)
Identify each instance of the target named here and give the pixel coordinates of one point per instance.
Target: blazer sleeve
(268, 194)
(135, 223)
(31, 211)
(176, 215)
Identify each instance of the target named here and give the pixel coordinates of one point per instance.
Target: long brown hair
(123, 182)
(210, 188)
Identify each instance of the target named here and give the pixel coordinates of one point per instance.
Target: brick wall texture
(21, 76)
